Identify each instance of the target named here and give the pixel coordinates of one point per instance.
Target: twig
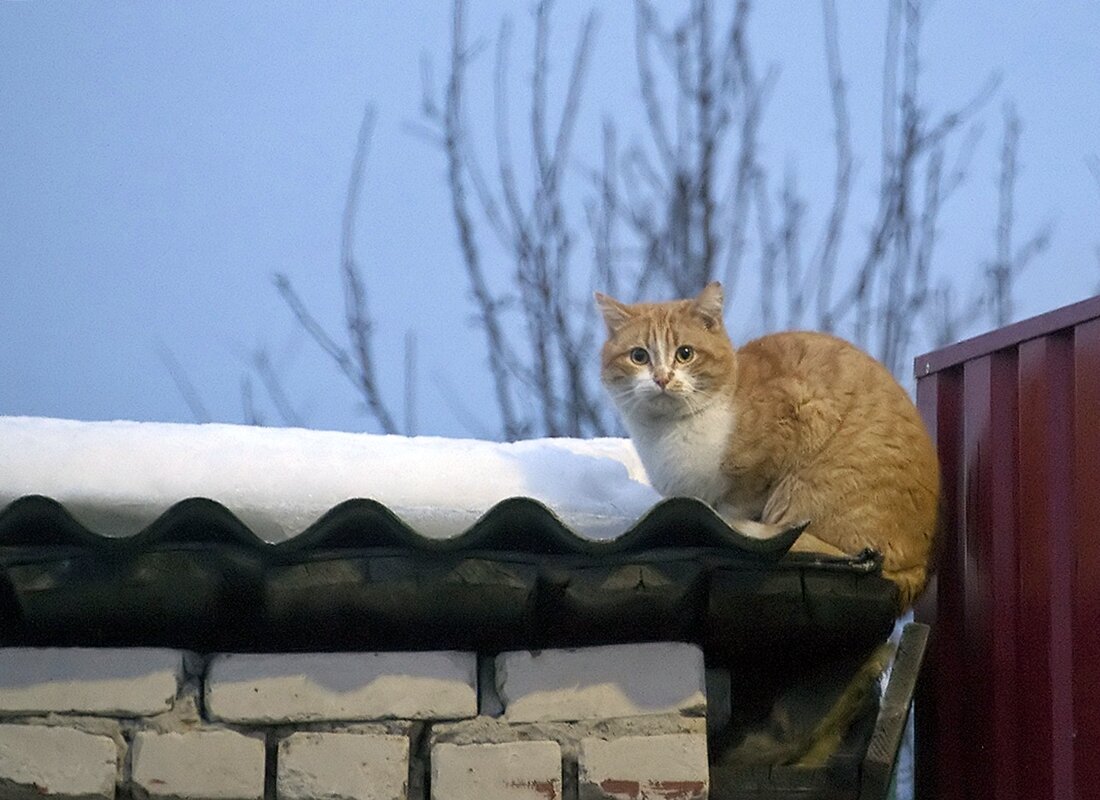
(184, 384)
(454, 145)
(261, 361)
(356, 360)
(252, 415)
(826, 261)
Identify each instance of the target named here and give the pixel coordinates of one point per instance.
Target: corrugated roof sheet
(360, 578)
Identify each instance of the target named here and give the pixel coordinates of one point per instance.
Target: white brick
(276, 688)
(602, 682)
(644, 768)
(121, 682)
(347, 766)
(512, 771)
(200, 765)
(38, 761)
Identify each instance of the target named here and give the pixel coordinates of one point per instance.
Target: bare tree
(695, 202)
(690, 202)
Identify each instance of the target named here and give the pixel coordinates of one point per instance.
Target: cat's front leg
(808, 543)
(786, 504)
(741, 521)
(757, 530)
(805, 543)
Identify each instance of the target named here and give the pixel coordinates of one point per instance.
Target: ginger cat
(789, 427)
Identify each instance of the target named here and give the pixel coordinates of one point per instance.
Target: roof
(359, 579)
(362, 577)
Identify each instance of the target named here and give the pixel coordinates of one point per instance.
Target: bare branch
(577, 74)
(961, 168)
(454, 145)
(646, 27)
(356, 316)
(261, 361)
(934, 195)
(339, 355)
(1009, 262)
(602, 214)
(826, 261)
(532, 263)
(1094, 167)
(410, 382)
(507, 173)
(889, 93)
(356, 360)
(1000, 271)
(754, 94)
(953, 119)
(313, 327)
(793, 213)
(252, 415)
(769, 254)
(184, 385)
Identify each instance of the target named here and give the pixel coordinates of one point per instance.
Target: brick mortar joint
(419, 781)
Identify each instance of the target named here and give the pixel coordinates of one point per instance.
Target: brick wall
(625, 721)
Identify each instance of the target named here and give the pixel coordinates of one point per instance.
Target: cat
(789, 427)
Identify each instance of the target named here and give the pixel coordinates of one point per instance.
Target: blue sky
(159, 162)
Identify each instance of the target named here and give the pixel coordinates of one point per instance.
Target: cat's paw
(755, 529)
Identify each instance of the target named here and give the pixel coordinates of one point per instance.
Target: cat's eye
(684, 353)
(639, 355)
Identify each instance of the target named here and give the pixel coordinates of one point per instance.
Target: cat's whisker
(625, 396)
(696, 403)
(621, 394)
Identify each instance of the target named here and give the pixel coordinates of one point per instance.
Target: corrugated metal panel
(361, 579)
(1086, 549)
(1009, 706)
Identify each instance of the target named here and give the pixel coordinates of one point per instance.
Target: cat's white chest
(684, 456)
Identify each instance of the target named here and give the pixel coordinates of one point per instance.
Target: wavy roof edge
(517, 524)
(359, 579)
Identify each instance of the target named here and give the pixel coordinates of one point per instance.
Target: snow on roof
(117, 477)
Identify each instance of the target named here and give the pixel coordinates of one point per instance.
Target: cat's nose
(661, 379)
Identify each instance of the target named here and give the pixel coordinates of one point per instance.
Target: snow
(117, 477)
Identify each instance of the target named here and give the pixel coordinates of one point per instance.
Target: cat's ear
(709, 304)
(615, 314)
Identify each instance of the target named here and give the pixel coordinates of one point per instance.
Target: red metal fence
(1009, 702)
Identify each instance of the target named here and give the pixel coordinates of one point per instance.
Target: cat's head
(666, 359)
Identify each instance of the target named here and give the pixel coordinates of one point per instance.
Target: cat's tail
(789, 737)
(858, 697)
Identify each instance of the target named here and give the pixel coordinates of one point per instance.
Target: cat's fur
(789, 427)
